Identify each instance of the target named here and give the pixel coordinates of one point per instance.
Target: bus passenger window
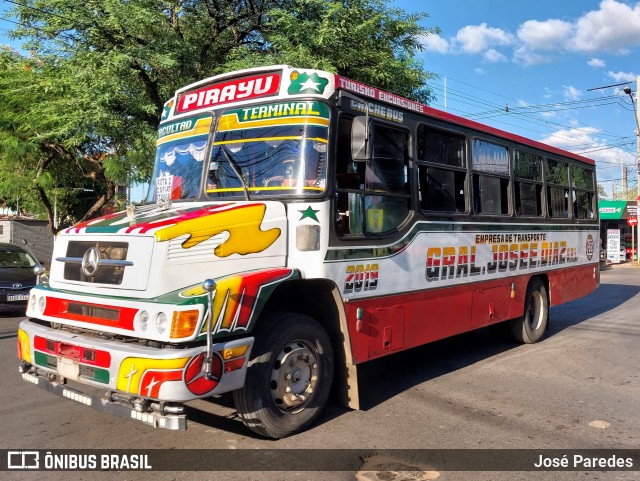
(527, 171)
(441, 190)
(557, 179)
(372, 197)
(387, 175)
(491, 178)
(583, 192)
(558, 202)
(442, 170)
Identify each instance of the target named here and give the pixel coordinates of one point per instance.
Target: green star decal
(166, 109)
(303, 83)
(309, 213)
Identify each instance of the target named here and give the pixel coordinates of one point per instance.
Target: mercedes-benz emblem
(17, 285)
(91, 262)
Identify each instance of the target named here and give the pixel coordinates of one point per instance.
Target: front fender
(238, 299)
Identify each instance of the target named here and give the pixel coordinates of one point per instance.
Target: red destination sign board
(231, 91)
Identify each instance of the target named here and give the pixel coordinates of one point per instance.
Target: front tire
(531, 326)
(288, 377)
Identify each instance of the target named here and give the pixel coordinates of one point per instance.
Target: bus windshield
(272, 149)
(180, 155)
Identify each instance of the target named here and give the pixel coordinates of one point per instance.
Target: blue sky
(527, 67)
(538, 60)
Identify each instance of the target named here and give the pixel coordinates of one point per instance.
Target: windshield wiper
(236, 170)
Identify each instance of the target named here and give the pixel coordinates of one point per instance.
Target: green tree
(81, 110)
(602, 193)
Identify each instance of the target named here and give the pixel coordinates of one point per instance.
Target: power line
(500, 110)
(528, 117)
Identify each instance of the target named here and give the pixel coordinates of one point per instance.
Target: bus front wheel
(531, 326)
(288, 377)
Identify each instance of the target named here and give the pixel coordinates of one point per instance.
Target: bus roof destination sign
(231, 91)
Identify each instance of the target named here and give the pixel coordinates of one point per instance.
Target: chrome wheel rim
(294, 376)
(535, 311)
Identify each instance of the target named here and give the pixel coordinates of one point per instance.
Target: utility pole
(636, 114)
(637, 166)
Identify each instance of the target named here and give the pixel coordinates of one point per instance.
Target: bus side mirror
(362, 138)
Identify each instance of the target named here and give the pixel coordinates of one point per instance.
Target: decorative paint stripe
(100, 220)
(424, 227)
(41, 359)
(242, 222)
(231, 122)
(84, 355)
(145, 227)
(133, 368)
(234, 364)
(59, 308)
(236, 297)
(264, 139)
(184, 129)
(153, 379)
(261, 189)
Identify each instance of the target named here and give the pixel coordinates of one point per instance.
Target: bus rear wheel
(531, 326)
(288, 377)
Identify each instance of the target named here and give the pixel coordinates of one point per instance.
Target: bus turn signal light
(24, 350)
(184, 323)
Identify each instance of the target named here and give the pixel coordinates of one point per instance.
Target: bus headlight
(143, 320)
(162, 322)
(42, 303)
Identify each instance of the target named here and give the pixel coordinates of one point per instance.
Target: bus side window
(584, 196)
(372, 197)
(490, 178)
(557, 180)
(527, 173)
(386, 181)
(442, 171)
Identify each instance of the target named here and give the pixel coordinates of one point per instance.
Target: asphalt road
(577, 389)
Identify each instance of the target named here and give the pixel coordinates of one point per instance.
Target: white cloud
(548, 35)
(493, 56)
(596, 63)
(475, 39)
(621, 76)
(572, 93)
(585, 141)
(548, 115)
(614, 28)
(480, 71)
(435, 43)
(527, 57)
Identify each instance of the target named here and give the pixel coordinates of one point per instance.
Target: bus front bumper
(143, 383)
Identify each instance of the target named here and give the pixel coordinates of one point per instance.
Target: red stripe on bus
(398, 322)
(84, 355)
(59, 308)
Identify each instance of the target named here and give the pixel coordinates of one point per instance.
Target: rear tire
(288, 377)
(531, 326)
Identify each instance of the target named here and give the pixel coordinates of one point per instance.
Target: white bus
(298, 225)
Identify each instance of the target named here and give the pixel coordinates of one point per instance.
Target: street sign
(632, 221)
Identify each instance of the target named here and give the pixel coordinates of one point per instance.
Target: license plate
(68, 369)
(17, 297)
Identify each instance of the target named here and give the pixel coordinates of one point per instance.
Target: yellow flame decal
(229, 289)
(133, 368)
(243, 225)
